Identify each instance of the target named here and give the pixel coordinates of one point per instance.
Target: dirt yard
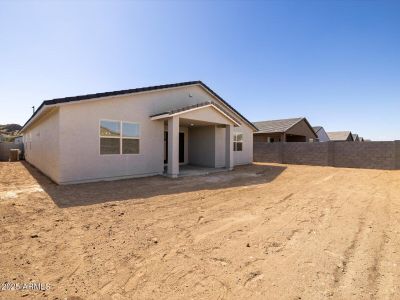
(260, 232)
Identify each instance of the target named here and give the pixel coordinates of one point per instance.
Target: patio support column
(173, 146)
(229, 147)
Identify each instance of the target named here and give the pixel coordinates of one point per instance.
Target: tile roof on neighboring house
(134, 91)
(277, 126)
(339, 135)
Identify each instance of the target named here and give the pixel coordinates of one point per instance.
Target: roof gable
(340, 135)
(192, 110)
(276, 126)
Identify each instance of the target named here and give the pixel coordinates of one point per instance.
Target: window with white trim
(130, 138)
(118, 137)
(238, 141)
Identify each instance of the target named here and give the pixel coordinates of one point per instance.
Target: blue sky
(335, 62)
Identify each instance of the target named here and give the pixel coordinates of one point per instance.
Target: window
(237, 142)
(130, 138)
(118, 137)
(110, 137)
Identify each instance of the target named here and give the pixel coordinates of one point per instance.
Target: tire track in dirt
(348, 254)
(359, 273)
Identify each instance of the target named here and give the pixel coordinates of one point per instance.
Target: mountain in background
(9, 130)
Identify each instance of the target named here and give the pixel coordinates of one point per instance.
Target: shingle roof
(133, 91)
(339, 135)
(278, 126)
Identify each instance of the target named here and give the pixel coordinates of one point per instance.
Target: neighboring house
(355, 137)
(137, 132)
(321, 133)
(340, 136)
(361, 139)
(286, 130)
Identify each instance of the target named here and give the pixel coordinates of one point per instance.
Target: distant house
(361, 139)
(321, 133)
(356, 137)
(286, 130)
(340, 136)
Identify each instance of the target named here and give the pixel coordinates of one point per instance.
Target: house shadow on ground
(142, 188)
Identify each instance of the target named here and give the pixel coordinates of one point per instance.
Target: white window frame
(235, 134)
(120, 137)
(130, 138)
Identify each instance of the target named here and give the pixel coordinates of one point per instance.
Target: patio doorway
(181, 147)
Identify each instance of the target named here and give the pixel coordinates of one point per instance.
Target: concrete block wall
(368, 155)
(306, 153)
(268, 152)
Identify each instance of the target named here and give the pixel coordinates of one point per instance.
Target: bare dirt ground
(259, 232)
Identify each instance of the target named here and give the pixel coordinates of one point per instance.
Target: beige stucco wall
(207, 114)
(41, 143)
(72, 140)
(245, 156)
(302, 129)
(202, 146)
(220, 147)
(80, 143)
(79, 123)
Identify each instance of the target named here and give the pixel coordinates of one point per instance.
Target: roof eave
(59, 101)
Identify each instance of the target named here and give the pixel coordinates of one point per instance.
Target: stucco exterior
(66, 143)
(301, 132)
(42, 144)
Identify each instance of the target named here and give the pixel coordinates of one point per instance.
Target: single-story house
(286, 130)
(137, 132)
(340, 136)
(356, 138)
(321, 133)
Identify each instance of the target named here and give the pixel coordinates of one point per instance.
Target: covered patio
(197, 139)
